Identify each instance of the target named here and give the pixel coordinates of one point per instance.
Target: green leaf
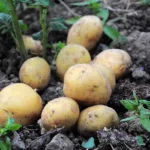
(5, 23)
(145, 122)
(129, 118)
(89, 144)
(145, 102)
(23, 26)
(3, 145)
(57, 24)
(37, 36)
(11, 125)
(87, 2)
(111, 32)
(140, 141)
(3, 7)
(71, 21)
(145, 2)
(104, 13)
(129, 104)
(44, 3)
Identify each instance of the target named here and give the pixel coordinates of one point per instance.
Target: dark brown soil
(135, 24)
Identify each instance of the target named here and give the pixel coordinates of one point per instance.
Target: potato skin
(35, 72)
(70, 55)
(116, 59)
(86, 85)
(107, 72)
(59, 112)
(95, 118)
(20, 102)
(86, 31)
(34, 46)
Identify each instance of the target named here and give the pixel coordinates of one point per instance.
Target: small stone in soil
(60, 142)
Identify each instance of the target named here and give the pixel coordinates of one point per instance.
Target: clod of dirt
(60, 142)
(43, 140)
(17, 143)
(115, 138)
(139, 74)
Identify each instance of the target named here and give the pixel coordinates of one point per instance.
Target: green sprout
(141, 109)
(10, 126)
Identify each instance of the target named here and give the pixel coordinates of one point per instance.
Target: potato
(34, 46)
(70, 55)
(86, 31)
(116, 59)
(20, 102)
(86, 85)
(95, 118)
(107, 72)
(35, 72)
(62, 111)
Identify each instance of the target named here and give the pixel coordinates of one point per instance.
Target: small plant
(96, 7)
(57, 47)
(10, 126)
(141, 109)
(10, 23)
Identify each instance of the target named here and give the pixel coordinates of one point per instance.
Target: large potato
(60, 112)
(35, 72)
(117, 60)
(107, 72)
(70, 55)
(86, 32)
(95, 118)
(20, 102)
(86, 85)
(34, 46)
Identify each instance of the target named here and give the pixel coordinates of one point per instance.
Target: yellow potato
(62, 111)
(117, 60)
(20, 102)
(86, 85)
(34, 46)
(107, 72)
(86, 31)
(35, 72)
(70, 55)
(95, 118)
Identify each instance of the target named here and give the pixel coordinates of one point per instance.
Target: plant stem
(17, 30)
(43, 13)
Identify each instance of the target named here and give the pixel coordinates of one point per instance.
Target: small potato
(70, 55)
(34, 46)
(95, 118)
(21, 102)
(86, 85)
(60, 112)
(35, 72)
(117, 60)
(107, 72)
(86, 32)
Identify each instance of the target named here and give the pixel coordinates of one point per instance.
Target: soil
(135, 25)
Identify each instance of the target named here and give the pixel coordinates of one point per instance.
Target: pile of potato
(88, 83)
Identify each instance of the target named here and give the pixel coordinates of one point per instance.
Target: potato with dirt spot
(59, 112)
(34, 46)
(107, 72)
(116, 59)
(21, 102)
(86, 31)
(35, 72)
(70, 55)
(95, 118)
(86, 85)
